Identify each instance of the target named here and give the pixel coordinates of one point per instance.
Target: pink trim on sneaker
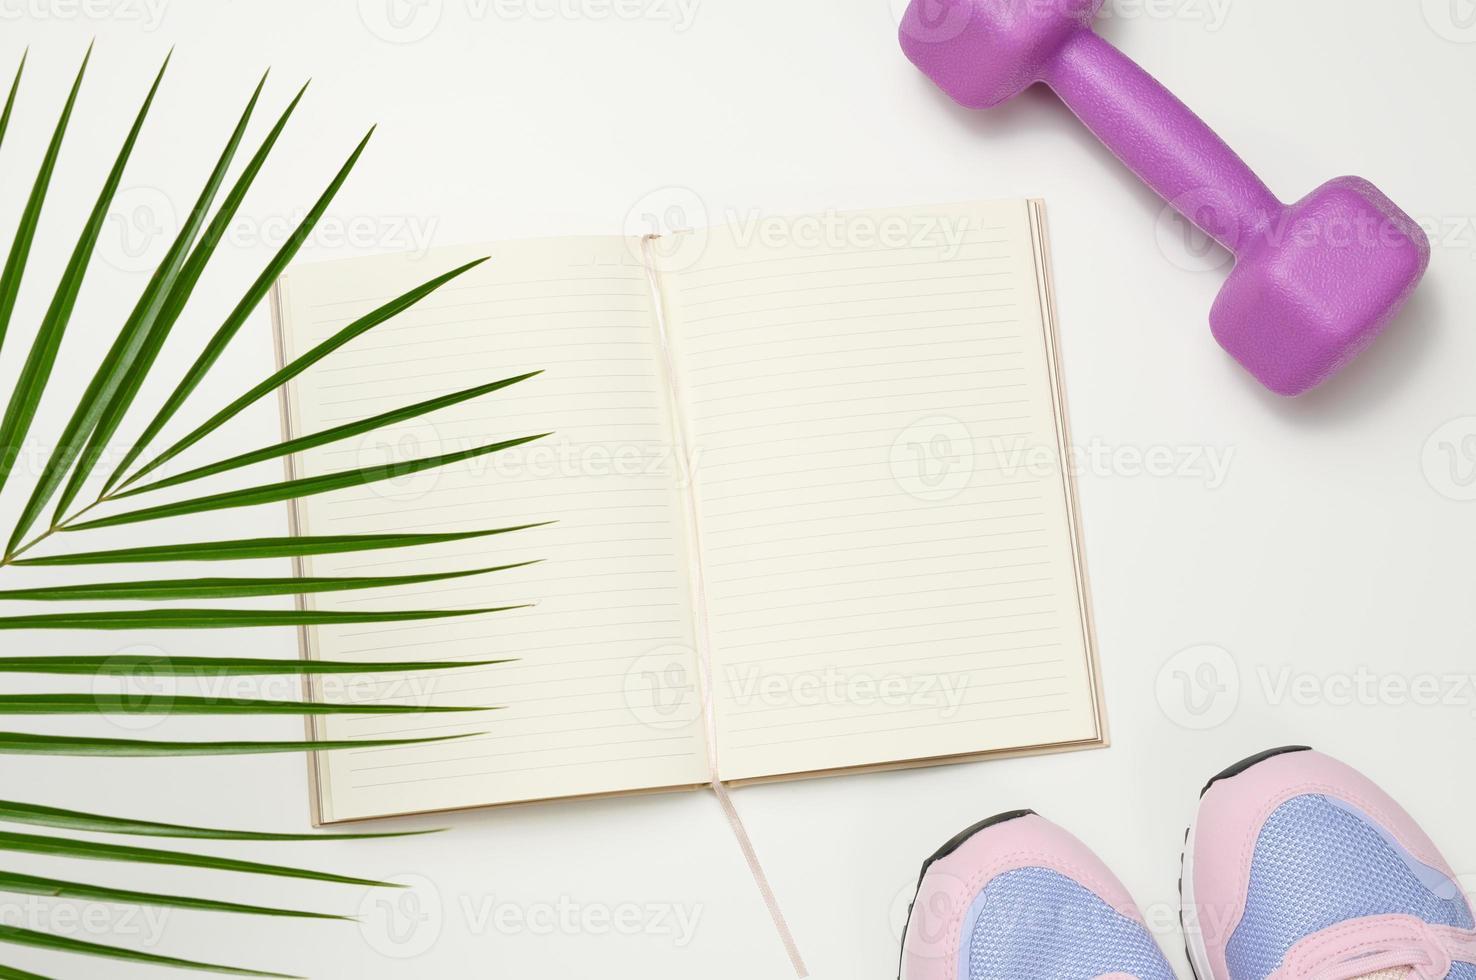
(1382, 942)
(1229, 823)
(935, 932)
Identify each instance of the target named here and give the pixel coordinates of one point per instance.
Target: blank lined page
(886, 536)
(610, 606)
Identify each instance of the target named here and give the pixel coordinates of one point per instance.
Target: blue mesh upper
(1035, 924)
(1317, 864)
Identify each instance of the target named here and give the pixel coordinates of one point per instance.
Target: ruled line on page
(931, 724)
(806, 730)
(856, 413)
(750, 259)
(613, 585)
(813, 335)
(926, 260)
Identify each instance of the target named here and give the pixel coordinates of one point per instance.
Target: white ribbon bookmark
(745, 843)
(704, 647)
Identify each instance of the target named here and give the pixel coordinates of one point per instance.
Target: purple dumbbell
(1314, 282)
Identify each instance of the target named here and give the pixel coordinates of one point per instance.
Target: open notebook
(825, 458)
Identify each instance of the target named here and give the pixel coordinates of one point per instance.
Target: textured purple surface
(1314, 282)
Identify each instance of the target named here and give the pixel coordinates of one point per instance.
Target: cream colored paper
(871, 535)
(612, 588)
(885, 534)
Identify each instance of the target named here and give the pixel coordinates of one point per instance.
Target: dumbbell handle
(1161, 140)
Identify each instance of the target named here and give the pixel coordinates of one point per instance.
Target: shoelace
(1389, 947)
(1415, 959)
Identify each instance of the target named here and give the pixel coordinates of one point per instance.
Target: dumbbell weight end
(1314, 282)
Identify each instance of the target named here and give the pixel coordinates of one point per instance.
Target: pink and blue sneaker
(1299, 867)
(1018, 898)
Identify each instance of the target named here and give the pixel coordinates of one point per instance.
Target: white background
(1335, 552)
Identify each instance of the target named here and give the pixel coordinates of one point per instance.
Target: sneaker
(1299, 867)
(1018, 898)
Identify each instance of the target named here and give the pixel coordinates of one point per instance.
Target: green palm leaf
(95, 420)
(37, 370)
(231, 588)
(126, 347)
(20, 884)
(97, 851)
(131, 666)
(107, 703)
(25, 743)
(336, 434)
(25, 233)
(360, 326)
(236, 319)
(297, 489)
(204, 619)
(45, 940)
(265, 548)
(59, 818)
(10, 99)
(178, 294)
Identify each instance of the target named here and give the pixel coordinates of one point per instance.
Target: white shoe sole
(1199, 960)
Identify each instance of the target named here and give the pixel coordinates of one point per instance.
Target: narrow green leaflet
(26, 743)
(11, 973)
(25, 233)
(59, 818)
(125, 348)
(297, 489)
(21, 884)
(130, 355)
(266, 548)
(4, 125)
(107, 703)
(157, 332)
(97, 851)
(237, 318)
(36, 373)
(64, 944)
(360, 326)
(123, 665)
(230, 588)
(10, 99)
(335, 434)
(203, 619)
